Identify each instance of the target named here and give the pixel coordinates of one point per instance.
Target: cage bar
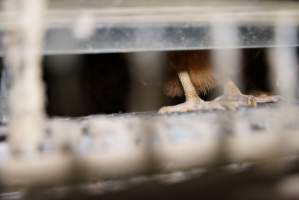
(121, 146)
(23, 59)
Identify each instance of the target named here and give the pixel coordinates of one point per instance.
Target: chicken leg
(193, 102)
(233, 98)
(195, 75)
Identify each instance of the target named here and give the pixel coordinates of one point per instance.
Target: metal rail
(130, 26)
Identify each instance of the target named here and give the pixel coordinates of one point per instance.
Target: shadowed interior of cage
(77, 141)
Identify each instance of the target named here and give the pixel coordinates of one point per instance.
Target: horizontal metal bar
(105, 147)
(221, 181)
(141, 26)
(122, 38)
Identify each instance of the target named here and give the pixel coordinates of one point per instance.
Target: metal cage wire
(119, 146)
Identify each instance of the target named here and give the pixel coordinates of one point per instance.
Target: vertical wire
(23, 56)
(226, 57)
(284, 80)
(146, 71)
(4, 85)
(283, 58)
(226, 62)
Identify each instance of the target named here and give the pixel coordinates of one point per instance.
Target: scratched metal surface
(180, 150)
(229, 182)
(105, 147)
(126, 26)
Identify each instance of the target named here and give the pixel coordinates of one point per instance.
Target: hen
(195, 75)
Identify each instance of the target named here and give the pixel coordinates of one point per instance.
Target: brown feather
(199, 66)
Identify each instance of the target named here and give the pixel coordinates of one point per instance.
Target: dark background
(101, 83)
